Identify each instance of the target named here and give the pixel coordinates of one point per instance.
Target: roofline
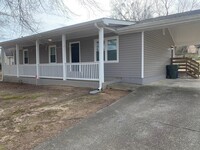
(101, 21)
(39, 35)
(158, 24)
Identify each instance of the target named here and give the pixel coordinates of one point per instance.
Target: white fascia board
(108, 22)
(157, 24)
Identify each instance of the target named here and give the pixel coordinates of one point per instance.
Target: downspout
(100, 82)
(96, 25)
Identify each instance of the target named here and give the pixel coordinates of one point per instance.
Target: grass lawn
(30, 114)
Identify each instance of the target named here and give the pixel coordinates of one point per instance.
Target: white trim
(50, 77)
(101, 58)
(25, 50)
(50, 46)
(64, 56)
(70, 51)
(11, 75)
(142, 55)
(2, 62)
(28, 76)
(27, 65)
(37, 54)
(106, 49)
(170, 32)
(83, 79)
(158, 24)
(52, 64)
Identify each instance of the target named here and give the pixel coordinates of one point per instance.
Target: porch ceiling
(186, 33)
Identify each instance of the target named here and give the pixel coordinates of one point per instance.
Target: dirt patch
(31, 114)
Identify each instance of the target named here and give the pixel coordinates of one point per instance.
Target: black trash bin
(172, 71)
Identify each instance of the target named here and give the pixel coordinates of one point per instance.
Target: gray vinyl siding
(129, 65)
(44, 52)
(31, 55)
(156, 53)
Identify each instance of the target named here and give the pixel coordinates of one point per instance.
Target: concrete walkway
(188, 83)
(150, 118)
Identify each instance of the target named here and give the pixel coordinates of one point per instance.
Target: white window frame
(50, 46)
(70, 50)
(106, 49)
(25, 50)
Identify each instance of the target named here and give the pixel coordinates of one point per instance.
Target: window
(25, 56)
(110, 49)
(52, 54)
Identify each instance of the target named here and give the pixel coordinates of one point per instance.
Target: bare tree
(137, 10)
(185, 5)
(134, 10)
(164, 7)
(21, 12)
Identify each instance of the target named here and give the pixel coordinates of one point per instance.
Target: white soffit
(186, 34)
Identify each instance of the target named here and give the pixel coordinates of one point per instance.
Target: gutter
(157, 24)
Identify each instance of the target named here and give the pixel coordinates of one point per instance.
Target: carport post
(37, 58)
(17, 59)
(101, 57)
(64, 59)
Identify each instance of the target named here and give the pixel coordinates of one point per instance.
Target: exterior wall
(156, 54)
(128, 68)
(31, 53)
(44, 52)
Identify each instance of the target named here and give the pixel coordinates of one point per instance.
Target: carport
(184, 30)
(183, 27)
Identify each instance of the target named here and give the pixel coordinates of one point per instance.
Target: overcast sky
(81, 15)
(49, 22)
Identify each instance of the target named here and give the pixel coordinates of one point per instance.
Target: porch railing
(51, 71)
(83, 71)
(10, 70)
(28, 70)
(74, 71)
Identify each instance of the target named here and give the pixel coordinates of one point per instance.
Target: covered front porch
(70, 53)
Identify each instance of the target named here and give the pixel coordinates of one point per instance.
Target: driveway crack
(175, 126)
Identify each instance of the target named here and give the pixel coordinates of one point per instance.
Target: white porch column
(37, 58)
(64, 59)
(142, 56)
(101, 57)
(17, 59)
(2, 61)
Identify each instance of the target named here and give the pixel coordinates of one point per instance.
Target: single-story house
(100, 51)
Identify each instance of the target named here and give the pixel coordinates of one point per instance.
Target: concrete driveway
(150, 118)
